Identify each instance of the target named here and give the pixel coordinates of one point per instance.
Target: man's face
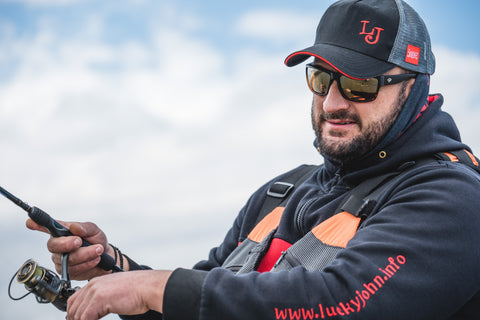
(347, 130)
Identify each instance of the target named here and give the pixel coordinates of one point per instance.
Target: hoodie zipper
(300, 215)
(299, 219)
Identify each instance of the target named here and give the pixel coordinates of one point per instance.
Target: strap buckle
(279, 189)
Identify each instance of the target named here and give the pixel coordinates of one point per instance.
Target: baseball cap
(366, 38)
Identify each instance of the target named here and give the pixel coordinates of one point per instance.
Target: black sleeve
(182, 294)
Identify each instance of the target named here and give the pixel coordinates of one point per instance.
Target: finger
(81, 255)
(85, 304)
(83, 271)
(82, 263)
(86, 271)
(63, 244)
(72, 304)
(90, 232)
(92, 306)
(85, 229)
(32, 225)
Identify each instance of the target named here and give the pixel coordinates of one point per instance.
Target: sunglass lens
(359, 90)
(318, 81)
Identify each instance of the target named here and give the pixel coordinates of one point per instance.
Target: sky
(158, 119)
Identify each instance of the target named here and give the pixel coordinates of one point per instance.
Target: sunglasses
(319, 81)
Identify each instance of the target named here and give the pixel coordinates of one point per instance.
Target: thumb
(84, 229)
(88, 231)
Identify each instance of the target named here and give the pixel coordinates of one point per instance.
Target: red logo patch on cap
(413, 55)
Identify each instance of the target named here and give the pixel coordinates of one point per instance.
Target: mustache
(340, 115)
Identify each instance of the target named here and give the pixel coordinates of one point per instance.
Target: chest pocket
(319, 247)
(248, 255)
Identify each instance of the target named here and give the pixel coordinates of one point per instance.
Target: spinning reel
(45, 284)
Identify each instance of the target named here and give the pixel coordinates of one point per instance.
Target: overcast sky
(158, 119)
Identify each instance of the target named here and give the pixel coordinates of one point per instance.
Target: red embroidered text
(373, 36)
(356, 304)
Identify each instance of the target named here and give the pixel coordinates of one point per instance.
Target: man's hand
(82, 261)
(125, 293)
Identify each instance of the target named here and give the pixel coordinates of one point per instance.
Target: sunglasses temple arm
(397, 78)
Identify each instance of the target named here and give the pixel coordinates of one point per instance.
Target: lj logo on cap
(370, 37)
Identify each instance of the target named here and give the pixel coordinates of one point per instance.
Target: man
(412, 255)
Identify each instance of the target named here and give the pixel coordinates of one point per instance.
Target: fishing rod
(45, 284)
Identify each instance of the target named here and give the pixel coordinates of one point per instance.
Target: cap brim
(348, 62)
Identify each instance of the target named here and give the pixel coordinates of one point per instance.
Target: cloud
(455, 79)
(277, 26)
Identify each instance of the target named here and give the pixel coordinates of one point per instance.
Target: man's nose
(334, 100)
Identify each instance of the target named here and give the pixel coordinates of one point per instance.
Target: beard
(370, 135)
